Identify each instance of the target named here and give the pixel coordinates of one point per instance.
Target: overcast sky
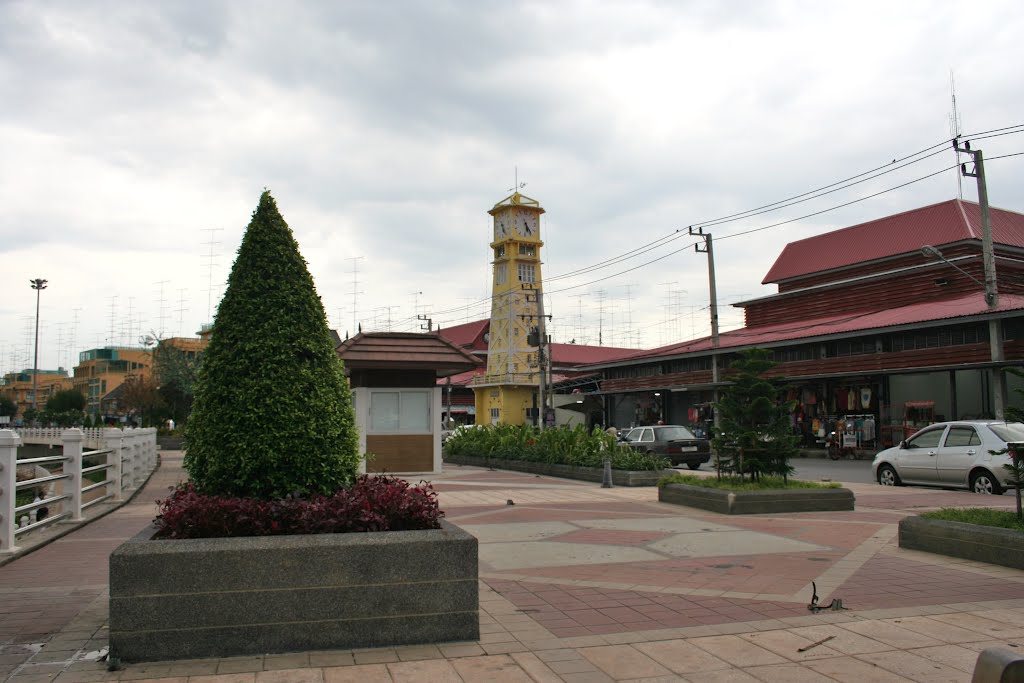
(135, 139)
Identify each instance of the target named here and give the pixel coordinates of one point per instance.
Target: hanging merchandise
(865, 397)
(869, 428)
(851, 399)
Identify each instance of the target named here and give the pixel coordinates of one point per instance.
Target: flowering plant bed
(372, 503)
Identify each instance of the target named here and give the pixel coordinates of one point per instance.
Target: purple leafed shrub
(372, 503)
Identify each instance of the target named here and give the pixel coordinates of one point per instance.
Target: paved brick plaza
(580, 583)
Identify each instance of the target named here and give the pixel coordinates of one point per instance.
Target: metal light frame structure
(39, 285)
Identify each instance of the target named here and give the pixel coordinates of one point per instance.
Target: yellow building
(507, 393)
(100, 371)
(191, 347)
(17, 386)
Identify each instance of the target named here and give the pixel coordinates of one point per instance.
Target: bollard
(9, 442)
(606, 479)
(996, 665)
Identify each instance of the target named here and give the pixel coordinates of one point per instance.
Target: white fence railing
(127, 457)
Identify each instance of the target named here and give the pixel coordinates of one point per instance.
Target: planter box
(619, 477)
(219, 597)
(968, 541)
(169, 443)
(757, 502)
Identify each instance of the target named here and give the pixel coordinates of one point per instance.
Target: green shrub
(982, 516)
(272, 414)
(557, 446)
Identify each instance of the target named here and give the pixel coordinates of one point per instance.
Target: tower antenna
(517, 185)
(955, 126)
(355, 287)
(180, 310)
(209, 271)
(162, 308)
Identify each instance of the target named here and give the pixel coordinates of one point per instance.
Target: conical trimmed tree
(754, 436)
(272, 414)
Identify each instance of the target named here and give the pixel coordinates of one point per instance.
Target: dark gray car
(674, 442)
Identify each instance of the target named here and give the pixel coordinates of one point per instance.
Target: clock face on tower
(526, 223)
(501, 227)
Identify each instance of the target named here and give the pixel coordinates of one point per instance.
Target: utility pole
(542, 359)
(429, 327)
(706, 237)
(542, 355)
(995, 325)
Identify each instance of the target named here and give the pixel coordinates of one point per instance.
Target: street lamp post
(39, 285)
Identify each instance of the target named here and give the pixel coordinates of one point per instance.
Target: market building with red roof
(883, 325)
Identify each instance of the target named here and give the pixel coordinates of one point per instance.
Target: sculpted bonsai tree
(272, 413)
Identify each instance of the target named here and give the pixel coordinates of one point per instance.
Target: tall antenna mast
(629, 316)
(163, 314)
(579, 317)
(355, 289)
(209, 271)
(60, 345)
(74, 335)
(180, 310)
(669, 316)
(113, 318)
(955, 126)
(600, 316)
(128, 322)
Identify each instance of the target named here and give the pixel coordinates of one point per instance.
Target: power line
(851, 181)
(832, 187)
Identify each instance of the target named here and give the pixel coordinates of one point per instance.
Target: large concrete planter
(170, 443)
(619, 477)
(186, 599)
(770, 501)
(969, 541)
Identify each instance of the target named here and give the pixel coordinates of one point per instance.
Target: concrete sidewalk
(580, 583)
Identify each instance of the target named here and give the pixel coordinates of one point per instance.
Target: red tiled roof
(966, 305)
(405, 350)
(938, 224)
(561, 354)
(464, 378)
(578, 354)
(467, 333)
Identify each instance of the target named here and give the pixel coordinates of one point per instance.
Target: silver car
(953, 454)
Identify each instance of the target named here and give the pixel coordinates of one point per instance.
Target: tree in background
(177, 371)
(66, 408)
(142, 397)
(66, 399)
(754, 436)
(272, 414)
(8, 408)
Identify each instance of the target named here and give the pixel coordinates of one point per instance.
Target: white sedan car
(954, 454)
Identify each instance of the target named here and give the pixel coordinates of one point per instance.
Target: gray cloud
(386, 131)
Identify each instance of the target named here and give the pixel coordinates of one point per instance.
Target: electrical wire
(662, 241)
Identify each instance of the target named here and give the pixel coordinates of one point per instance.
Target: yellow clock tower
(508, 391)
